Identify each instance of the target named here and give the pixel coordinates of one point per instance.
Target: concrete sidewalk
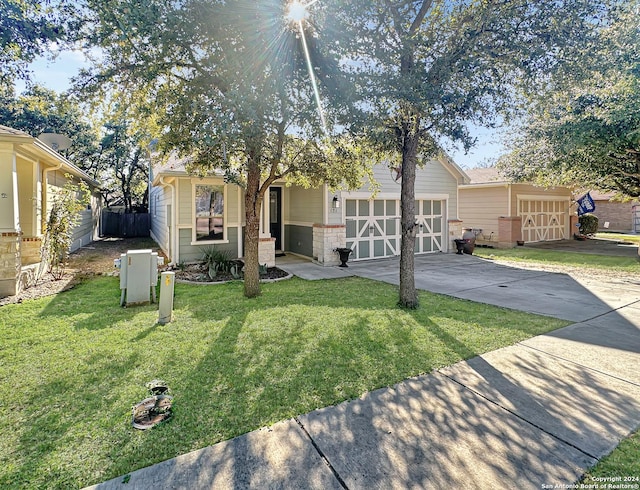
(533, 414)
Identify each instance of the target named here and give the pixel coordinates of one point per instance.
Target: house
(614, 215)
(503, 213)
(189, 214)
(30, 173)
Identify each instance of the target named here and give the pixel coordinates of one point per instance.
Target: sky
(56, 75)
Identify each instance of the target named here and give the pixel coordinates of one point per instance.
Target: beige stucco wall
(480, 208)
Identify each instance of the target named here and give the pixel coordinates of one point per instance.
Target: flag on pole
(586, 204)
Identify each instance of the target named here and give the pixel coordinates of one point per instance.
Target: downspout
(173, 249)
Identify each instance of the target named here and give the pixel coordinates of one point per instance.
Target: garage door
(543, 220)
(373, 227)
(430, 225)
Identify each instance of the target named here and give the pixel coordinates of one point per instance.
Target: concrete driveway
(546, 293)
(476, 279)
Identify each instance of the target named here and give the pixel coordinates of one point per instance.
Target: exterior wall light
(336, 203)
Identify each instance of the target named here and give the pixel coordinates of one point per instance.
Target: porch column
(326, 238)
(265, 217)
(266, 244)
(9, 211)
(455, 231)
(10, 263)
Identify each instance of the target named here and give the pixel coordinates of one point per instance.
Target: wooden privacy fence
(125, 224)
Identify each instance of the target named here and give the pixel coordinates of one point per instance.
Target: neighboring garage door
(543, 220)
(373, 227)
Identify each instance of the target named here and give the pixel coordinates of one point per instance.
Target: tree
(585, 131)
(27, 29)
(40, 110)
(109, 148)
(423, 70)
(227, 85)
(125, 163)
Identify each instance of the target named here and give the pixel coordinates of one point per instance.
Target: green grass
(524, 254)
(623, 462)
(72, 366)
(623, 237)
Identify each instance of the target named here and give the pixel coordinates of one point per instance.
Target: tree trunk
(253, 203)
(408, 296)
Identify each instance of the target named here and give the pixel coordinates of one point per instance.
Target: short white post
(165, 310)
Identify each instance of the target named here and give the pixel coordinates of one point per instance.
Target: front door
(275, 215)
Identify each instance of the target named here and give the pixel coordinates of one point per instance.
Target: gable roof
(39, 149)
(453, 168)
(172, 166)
(7, 131)
(488, 175)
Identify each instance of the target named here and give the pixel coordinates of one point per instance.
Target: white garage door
(373, 227)
(543, 220)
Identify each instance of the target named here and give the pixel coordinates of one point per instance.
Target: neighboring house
(30, 173)
(503, 213)
(189, 214)
(615, 215)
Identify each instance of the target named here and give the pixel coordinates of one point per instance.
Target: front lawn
(72, 366)
(582, 260)
(620, 237)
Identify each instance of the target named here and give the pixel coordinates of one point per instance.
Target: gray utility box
(138, 276)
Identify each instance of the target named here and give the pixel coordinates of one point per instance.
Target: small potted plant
(344, 253)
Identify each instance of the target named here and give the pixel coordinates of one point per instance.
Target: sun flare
(297, 12)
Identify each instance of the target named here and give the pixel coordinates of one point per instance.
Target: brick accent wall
(30, 253)
(509, 231)
(9, 263)
(618, 214)
(267, 251)
(326, 238)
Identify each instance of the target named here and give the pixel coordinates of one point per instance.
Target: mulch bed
(199, 273)
(46, 286)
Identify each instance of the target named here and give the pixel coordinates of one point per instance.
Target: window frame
(194, 233)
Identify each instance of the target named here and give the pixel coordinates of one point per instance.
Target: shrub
(588, 224)
(64, 216)
(220, 261)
